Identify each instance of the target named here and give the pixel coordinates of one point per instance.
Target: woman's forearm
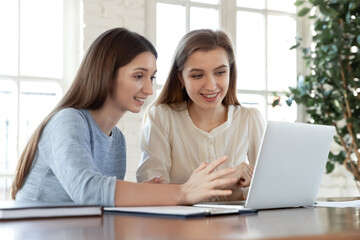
(204, 182)
(146, 194)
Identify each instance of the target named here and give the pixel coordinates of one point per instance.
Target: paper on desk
(185, 211)
(162, 210)
(354, 204)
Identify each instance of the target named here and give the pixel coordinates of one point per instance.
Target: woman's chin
(135, 109)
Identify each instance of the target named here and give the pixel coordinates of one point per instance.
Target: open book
(36, 209)
(178, 211)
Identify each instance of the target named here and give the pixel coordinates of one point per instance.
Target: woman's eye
(138, 76)
(197, 76)
(220, 73)
(152, 78)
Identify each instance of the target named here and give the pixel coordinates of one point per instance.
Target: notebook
(289, 166)
(37, 209)
(178, 211)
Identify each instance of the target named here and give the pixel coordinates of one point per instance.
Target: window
(185, 16)
(31, 74)
(265, 31)
(262, 32)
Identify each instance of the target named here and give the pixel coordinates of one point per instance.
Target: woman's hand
(243, 174)
(205, 182)
(157, 179)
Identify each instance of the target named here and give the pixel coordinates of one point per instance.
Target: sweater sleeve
(155, 147)
(72, 161)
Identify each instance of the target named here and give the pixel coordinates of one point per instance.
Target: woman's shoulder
(65, 123)
(163, 110)
(69, 117)
(159, 108)
(247, 112)
(163, 115)
(251, 117)
(70, 113)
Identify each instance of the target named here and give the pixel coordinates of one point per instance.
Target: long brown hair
(204, 40)
(93, 82)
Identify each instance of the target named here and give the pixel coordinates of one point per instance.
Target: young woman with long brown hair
(197, 117)
(78, 154)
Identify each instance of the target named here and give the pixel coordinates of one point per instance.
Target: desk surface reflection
(294, 223)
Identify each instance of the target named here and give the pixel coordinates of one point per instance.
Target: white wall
(100, 15)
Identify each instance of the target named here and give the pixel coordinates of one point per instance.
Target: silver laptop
(289, 166)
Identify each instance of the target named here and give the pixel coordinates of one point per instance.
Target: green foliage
(331, 90)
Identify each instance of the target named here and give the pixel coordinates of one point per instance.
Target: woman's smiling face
(205, 77)
(133, 83)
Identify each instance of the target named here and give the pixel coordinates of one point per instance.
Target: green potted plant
(330, 90)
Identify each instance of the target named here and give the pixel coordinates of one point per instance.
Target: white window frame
(71, 57)
(227, 16)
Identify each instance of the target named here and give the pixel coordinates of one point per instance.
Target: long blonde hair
(203, 40)
(93, 82)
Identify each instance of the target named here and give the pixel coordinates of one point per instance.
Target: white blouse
(173, 147)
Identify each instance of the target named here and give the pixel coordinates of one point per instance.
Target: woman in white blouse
(197, 117)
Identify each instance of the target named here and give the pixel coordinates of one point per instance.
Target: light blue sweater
(75, 161)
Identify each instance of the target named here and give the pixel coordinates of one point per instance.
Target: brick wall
(100, 15)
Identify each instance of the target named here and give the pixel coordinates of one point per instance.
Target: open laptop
(289, 166)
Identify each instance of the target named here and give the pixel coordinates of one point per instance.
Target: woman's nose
(210, 83)
(148, 87)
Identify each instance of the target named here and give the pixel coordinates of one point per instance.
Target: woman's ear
(180, 77)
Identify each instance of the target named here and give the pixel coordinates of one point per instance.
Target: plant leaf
(299, 2)
(295, 46)
(348, 17)
(329, 167)
(276, 102)
(303, 12)
(289, 101)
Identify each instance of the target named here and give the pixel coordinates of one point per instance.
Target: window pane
(8, 126)
(255, 101)
(259, 4)
(282, 5)
(168, 36)
(33, 95)
(5, 184)
(9, 37)
(282, 112)
(207, 1)
(158, 91)
(281, 60)
(250, 50)
(41, 38)
(203, 18)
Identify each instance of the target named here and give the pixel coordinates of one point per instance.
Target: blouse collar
(213, 133)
